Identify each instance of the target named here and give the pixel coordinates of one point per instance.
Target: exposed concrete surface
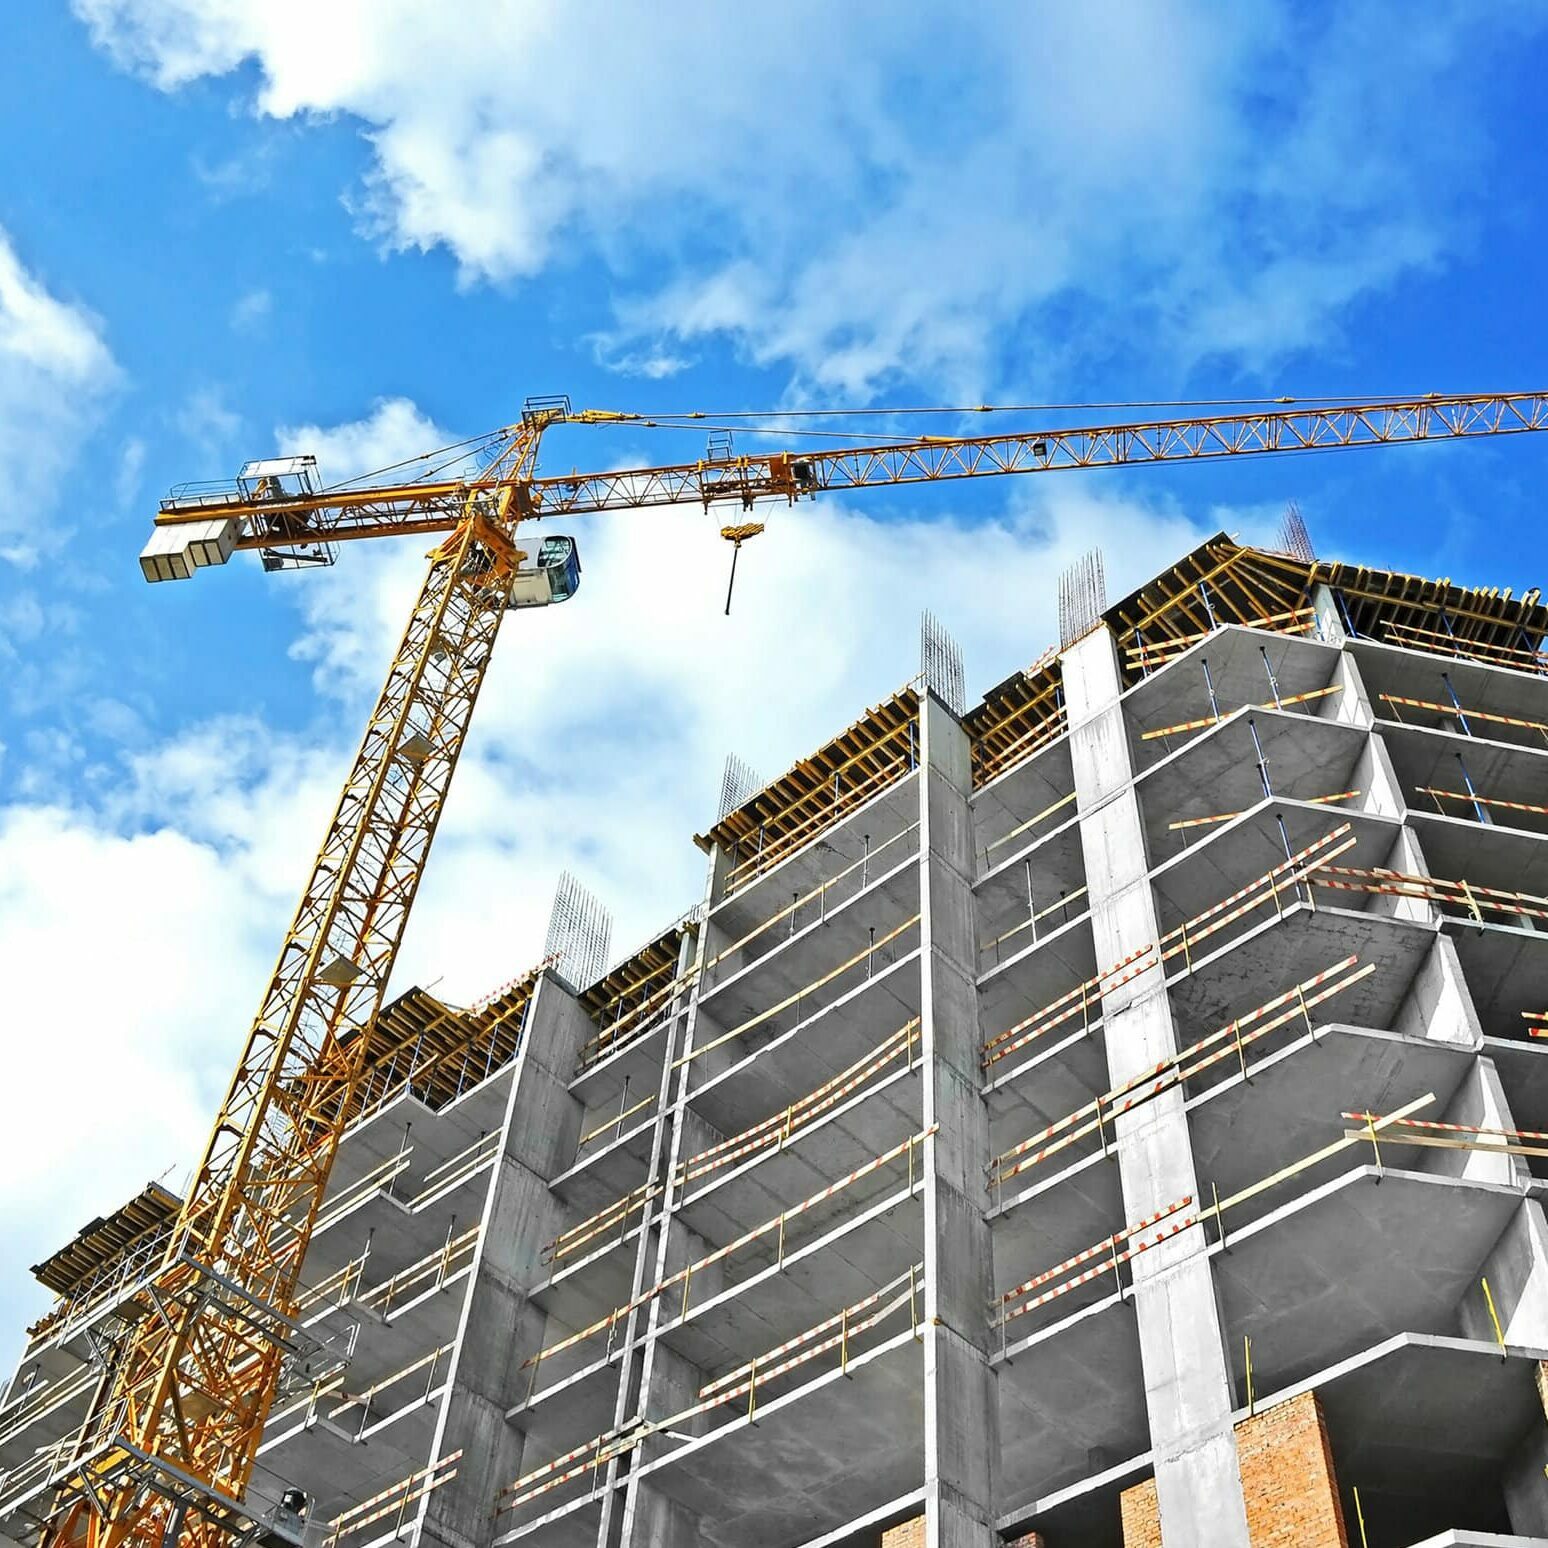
(1358, 1276)
(1187, 1388)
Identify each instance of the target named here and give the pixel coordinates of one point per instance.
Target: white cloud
(204, 420)
(251, 311)
(860, 194)
(131, 465)
(55, 369)
(133, 949)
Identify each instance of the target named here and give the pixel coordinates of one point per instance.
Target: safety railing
(832, 804)
(772, 1229)
(846, 1335)
(614, 1220)
(1124, 1246)
(33, 1403)
(429, 1273)
(990, 766)
(1149, 657)
(1098, 1117)
(877, 953)
(1521, 658)
(1277, 888)
(393, 1502)
(112, 1279)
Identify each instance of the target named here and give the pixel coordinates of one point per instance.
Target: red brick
(1287, 1480)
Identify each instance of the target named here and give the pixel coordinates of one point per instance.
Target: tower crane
(166, 1453)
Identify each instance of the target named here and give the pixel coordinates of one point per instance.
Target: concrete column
(1187, 1380)
(1330, 620)
(541, 1128)
(962, 1443)
(1352, 705)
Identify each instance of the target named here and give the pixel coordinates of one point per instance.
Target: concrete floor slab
(773, 1297)
(1468, 1539)
(1523, 1068)
(1457, 846)
(797, 959)
(1218, 771)
(1507, 972)
(749, 1077)
(1043, 874)
(1240, 678)
(1072, 1404)
(1052, 1218)
(885, 881)
(1087, 1513)
(828, 850)
(588, 1286)
(1360, 1259)
(633, 1066)
(1031, 786)
(800, 1467)
(769, 1301)
(1289, 1106)
(1273, 956)
(609, 1167)
(1220, 860)
(721, 1204)
(1425, 1425)
(1421, 675)
(1503, 770)
(435, 1134)
(573, 1524)
(1037, 973)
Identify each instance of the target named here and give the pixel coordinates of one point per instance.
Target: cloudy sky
(366, 228)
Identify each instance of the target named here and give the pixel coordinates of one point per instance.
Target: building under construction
(1111, 1112)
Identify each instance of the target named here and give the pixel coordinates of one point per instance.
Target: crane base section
(118, 1468)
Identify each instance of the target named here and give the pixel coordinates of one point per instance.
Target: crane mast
(193, 1384)
(167, 1450)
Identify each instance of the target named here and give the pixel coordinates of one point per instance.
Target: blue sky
(230, 226)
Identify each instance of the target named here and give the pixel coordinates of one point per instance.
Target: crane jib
(197, 529)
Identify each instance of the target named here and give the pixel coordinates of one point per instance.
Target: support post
(1186, 1370)
(961, 1437)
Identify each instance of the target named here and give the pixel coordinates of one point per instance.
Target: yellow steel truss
(193, 1383)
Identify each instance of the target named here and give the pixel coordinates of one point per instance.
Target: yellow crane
(166, 1452)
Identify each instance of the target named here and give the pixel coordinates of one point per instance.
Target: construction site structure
(1114, 1111)
(210, 1337)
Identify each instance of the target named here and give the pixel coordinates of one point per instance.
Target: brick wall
(1287, 1480)
(1141, 1516)
(911, 1534)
